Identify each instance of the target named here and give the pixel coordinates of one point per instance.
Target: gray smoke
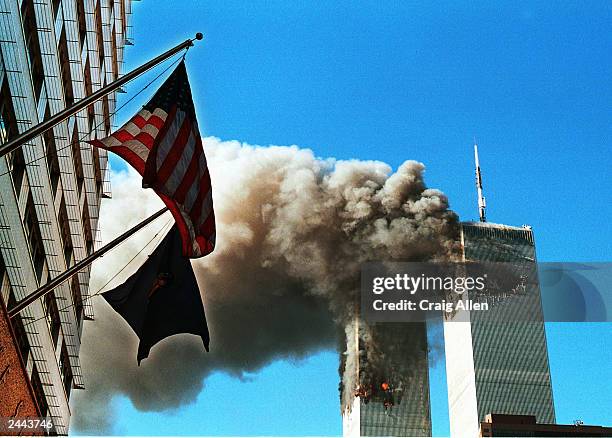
(283, 281)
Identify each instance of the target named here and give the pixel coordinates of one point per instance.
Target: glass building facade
(493, 366)
(53, 53)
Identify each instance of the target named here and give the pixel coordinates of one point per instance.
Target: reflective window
(51, 155)
(52, 316)
(8, 124)
(98, 17)
(87, 229)
(39, 393)
(65, 232)
(82, 23)
(77, 159)
(65, 69)
(32, 45)
(17, 169)
(34, 237)
(56, 7)
(22, 340)
(65, 370)
(75, 289)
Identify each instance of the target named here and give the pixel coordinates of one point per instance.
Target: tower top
(482, 205)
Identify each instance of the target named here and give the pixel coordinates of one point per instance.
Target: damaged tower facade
(389, 366)
(493, 366)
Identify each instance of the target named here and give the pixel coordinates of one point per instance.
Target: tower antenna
(482, 205)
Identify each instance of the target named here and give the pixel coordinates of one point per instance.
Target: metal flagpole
(88, 100)
(55, 282)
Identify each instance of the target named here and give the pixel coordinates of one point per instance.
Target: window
(82, 23)
(77, 160)
(8, 123)
(39, 393)
(87, 80)
(17, 169)
(52, 316)
(56, 7)
(8, 130)
(75, 289)
(5, 285)
(96, 165)
(115, 65)
(22, 339)
(106, 114)
(64, 225)
(88, 92)
(123, 18)
(33, 45)
(34, 238)
(100, 35)
(65, 370)
(65, 68)
(97, 172)
(87, 229)
(51, 154)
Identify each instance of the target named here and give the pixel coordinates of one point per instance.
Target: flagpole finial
(199, 36)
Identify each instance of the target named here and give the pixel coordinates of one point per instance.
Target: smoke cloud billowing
(283, 282)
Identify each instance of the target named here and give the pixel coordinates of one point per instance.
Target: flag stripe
(208, 226)
(128, 155)
(180, 141)
(145, 139)
(202, 195)
(188, 180)
(132, 129)
(156, 121)
(139, 121)
(172, 126)
(193, 191)
(206, 210)
(151, 129)
(123, 136)
(182, 165)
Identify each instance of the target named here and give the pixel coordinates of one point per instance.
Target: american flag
(162, 142)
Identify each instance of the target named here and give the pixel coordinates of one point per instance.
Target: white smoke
(292, 233)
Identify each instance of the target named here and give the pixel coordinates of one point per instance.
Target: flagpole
(55, 282)
(34, 131)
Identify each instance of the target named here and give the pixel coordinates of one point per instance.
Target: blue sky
(394, 81)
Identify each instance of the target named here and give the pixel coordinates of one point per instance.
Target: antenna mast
(482, 205)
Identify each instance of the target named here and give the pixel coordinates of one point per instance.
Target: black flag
(162, 298)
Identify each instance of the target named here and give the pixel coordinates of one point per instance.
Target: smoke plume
(283, 282)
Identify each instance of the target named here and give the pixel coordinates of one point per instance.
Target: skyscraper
(51, 55)
(403, 347)
(492, 366)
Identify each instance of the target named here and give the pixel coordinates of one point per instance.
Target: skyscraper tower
(52, 54)
(492, 366)
(405, 374)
